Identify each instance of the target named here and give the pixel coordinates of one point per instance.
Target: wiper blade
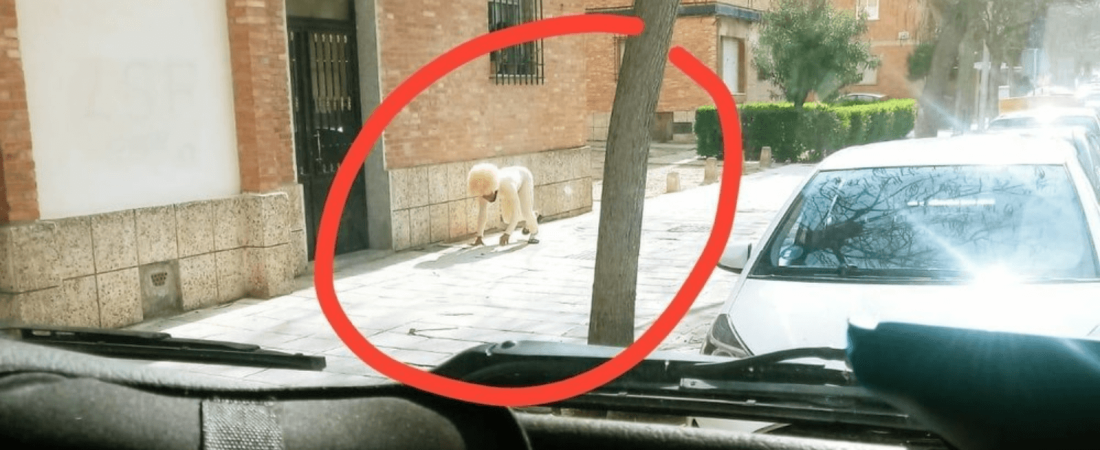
(847, 270)
(529, 363)
(852, 271)
(161, 347)
(766, 387)
(746, 367)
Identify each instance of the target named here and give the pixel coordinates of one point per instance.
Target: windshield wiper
(847, 270)
(161, 347)
(758, 364)
(767, 387)
(851, 271)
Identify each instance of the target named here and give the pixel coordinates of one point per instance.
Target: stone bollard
(765, 157)
(710, 171)
(673, 181)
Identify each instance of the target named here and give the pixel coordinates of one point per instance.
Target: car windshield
(961, 221)
(194, 167)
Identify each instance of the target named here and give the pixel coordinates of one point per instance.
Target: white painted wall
(130, 102)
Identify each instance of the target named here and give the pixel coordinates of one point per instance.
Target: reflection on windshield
(958, 220)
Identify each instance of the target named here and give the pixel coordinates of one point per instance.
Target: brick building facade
(471, 116)
(96, 231)
(893, 31)
(719, 33)
(160, 157)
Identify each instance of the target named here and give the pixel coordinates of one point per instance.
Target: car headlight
(722, 340)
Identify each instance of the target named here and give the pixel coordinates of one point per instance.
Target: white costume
(515, 186)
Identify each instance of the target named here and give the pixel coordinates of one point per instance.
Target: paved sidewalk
(420, 307)
(663, 159)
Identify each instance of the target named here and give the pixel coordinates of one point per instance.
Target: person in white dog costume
(516, 188)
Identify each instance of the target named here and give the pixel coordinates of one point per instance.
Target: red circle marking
(421, 80)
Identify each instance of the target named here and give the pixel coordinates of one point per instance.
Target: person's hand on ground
(478, 242)
(504, 239)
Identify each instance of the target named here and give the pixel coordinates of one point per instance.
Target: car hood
(772, 315)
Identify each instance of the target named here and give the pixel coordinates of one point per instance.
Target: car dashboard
(915, 387)
(51, 398)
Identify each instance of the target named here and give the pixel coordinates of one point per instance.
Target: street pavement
(420, 307)
(664, 158)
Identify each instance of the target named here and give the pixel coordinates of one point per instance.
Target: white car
(1049, 116)
(1090, 97)
(982, 231)
(994, 232)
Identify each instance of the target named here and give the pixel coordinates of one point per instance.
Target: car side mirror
(736, 256)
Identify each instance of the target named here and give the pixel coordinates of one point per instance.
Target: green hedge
(808, 134)
(708, 132)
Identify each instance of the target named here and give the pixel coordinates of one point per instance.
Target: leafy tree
(920, 61)
(1002, 26)
(808, 46)
(954, 18)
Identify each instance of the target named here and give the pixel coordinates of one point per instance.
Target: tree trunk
(932, 106)
(993, 108)
(624, 175)
(966, 84)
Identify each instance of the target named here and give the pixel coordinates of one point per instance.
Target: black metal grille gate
(326, 110)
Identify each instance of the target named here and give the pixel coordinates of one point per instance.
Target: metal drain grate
(159, 278)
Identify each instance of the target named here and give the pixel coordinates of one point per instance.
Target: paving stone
(290, 312)
(350, 366)
(250, 322)
(417, 357)
(261, 338)
(446, 346)
(309, 345)
(200, 330)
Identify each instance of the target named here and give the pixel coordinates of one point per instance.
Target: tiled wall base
(115, 269)
(430, 203)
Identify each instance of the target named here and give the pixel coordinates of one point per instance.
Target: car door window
(1089, 122)
(1087, 161)
(1094, 152)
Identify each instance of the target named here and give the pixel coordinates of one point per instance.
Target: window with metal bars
(519, 64)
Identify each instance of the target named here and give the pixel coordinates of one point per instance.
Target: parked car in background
(1089, 97)
(1051, 91)
(1091, 86)
(1048, 117)
(862, 97)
